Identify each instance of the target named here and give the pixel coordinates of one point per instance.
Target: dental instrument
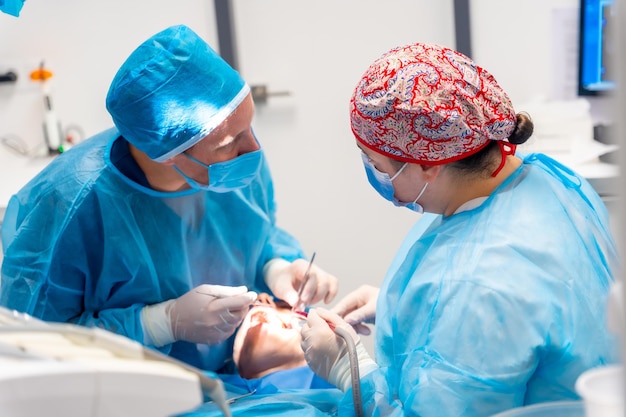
(304, 315)
(231, 400)
(299, 305)
(216, 295)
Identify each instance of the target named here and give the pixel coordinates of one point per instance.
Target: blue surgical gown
(499, 306)
(85, 244)
(283, 392)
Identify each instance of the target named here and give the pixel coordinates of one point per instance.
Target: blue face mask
(383, 183)
(228, 175)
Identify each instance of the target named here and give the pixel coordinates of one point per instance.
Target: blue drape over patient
(269, 400)
(85, 244)
(499, 306)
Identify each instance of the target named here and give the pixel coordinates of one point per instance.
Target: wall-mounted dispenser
(8, 77)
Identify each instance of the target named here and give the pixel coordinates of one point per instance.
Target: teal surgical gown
(499, 306)
(85, 244)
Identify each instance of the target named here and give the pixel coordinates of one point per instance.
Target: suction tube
(354, 370)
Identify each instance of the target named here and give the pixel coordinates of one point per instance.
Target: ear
(430, 172)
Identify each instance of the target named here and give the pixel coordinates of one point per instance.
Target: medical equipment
(218, 295)
(354, 369)
(602, 391)
(53, 133)
(8, 77)
(303, 315)
(231, 400)
(56, 139)
(298, 306)
(80, 371)
(354, 362)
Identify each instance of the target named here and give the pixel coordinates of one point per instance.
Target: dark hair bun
(523, 129)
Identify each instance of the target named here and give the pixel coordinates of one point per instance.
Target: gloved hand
(359, 307)
(197, 317)
(284, 278)
(327, 353)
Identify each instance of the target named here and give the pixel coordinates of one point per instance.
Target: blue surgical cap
(171, 92)
(11, 7)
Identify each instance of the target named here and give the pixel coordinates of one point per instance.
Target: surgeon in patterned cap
(496, 299)
(163, 227)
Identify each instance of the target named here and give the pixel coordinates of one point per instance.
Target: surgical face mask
(415, 206)
(228, 175)
(383, 183)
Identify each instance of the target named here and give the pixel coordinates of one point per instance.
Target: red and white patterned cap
(429, 104)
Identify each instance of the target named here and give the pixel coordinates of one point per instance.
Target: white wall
(531, 49)
(318, 51)
(83, 43)
(514, 41)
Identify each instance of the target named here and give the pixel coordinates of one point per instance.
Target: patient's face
(268, 340)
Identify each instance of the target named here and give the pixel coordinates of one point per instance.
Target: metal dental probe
(304, 281)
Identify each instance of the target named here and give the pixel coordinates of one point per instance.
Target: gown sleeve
(53, 258)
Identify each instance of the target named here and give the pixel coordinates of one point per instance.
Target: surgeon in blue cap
(162, 228)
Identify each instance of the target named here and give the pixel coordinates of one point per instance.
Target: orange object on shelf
(40, 74)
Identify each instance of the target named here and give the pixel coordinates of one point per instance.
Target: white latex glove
(359, 307)
(197, 317)
(284, 278)
(327, 353)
